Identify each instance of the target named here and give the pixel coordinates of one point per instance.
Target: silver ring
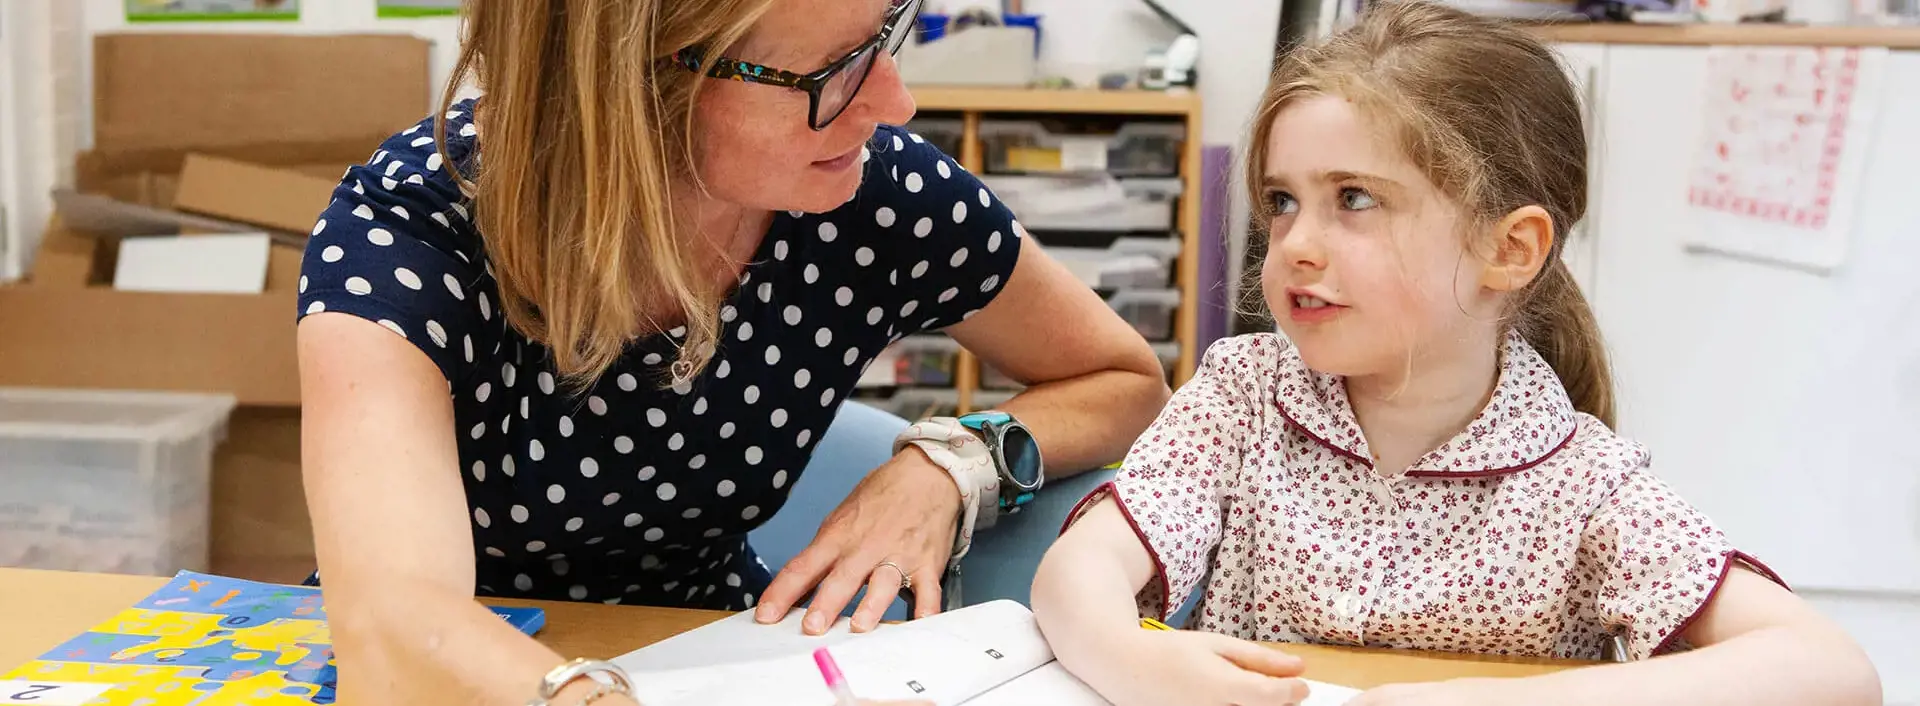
(906, 582)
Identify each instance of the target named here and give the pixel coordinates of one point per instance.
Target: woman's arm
(391, 529)
(1095, 384)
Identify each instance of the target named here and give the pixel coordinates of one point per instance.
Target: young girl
(1424, 461)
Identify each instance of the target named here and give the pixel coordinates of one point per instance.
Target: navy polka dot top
(628, 492)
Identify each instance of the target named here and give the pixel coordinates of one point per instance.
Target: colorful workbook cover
(201, 641)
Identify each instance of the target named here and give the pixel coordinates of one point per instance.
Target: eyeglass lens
(839, 91)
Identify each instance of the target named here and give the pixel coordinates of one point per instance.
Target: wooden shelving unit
(974, 104)
(1743, 34)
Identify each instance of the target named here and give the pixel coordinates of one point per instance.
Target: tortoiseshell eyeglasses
(829, 90)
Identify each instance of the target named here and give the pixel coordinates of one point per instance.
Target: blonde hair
(1489, 114)
(585, 122)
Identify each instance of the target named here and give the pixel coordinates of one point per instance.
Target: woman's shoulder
(411, 188)
(396, 246)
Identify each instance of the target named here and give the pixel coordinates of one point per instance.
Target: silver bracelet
(609, 677)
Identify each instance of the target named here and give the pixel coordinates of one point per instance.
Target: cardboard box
(277, 199)
(244, 129)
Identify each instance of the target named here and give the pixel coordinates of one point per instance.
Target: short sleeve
(949, 244)
(395, 247)
(1648, 564)
(1170, 487)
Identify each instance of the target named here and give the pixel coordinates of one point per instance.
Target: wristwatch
(993, 460)
(1016, 457)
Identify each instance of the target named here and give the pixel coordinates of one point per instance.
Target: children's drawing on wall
(211, 10)
(1781, 150)
(419, 8)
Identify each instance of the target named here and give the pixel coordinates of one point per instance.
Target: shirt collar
(1528, 419)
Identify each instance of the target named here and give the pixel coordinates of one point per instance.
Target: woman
(647, 293)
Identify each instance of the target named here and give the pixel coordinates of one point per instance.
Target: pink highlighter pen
(836, 682)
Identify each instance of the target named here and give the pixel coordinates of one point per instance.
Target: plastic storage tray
(916, 403)
(927, 359)
(1077, 203)
(1128, 263)
(1149, 310)
(114, 482)
(1147, 149)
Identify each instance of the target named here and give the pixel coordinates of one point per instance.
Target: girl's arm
(1083, 593)
(1645, 562)
(1145, 541)
(1758, 644)
(1083, 597)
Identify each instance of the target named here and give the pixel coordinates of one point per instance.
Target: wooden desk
(40, 609)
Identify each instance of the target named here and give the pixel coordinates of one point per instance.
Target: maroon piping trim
(1159, 569)
(1726, 567)
(1564, 443)
(1501, 471)
(1316, 437)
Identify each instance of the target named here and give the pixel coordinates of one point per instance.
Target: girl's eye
(1283, 203)
(1356, 199)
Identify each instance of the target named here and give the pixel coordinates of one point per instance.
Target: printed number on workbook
(40, 693)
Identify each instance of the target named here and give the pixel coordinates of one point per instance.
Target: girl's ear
(1521, 244)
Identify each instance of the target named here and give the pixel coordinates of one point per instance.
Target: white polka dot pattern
(1537, 531)
(573, 478)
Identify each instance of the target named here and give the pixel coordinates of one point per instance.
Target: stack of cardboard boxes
(196, 134)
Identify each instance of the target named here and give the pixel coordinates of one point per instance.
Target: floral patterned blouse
(1537, 531)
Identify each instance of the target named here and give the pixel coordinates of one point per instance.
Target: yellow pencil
(1151, 624)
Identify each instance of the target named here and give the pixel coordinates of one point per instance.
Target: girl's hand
(1459, 692)
(898, 524)
(1205, 669)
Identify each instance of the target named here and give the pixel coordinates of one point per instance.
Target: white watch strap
(968, 461)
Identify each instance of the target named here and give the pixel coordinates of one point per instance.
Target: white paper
(1051, 685)
(945, 659)
(736, 639)
(1323, 694)
(46, 693)
(215, 264)
(991, 654)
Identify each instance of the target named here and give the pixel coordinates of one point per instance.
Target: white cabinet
(1785, 404)
(1586, 65)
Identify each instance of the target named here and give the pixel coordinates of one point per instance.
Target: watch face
(1022, 455)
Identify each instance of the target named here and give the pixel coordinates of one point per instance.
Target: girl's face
(753, 142)
(1365, 267)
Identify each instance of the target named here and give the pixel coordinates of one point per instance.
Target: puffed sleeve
(1648, 564)
(1172, 486)
(946, 243)
(395, 247)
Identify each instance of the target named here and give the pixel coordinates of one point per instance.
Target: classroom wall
(31, 139)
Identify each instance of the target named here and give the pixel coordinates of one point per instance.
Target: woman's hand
(895, 527)
(1203, 669)
(1459, 692)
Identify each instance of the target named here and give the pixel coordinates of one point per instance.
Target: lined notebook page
(946, 659)
(990, 654)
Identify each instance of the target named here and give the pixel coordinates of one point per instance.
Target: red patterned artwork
(1776, 125)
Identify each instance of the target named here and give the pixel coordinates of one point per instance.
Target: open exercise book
(991, 654)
